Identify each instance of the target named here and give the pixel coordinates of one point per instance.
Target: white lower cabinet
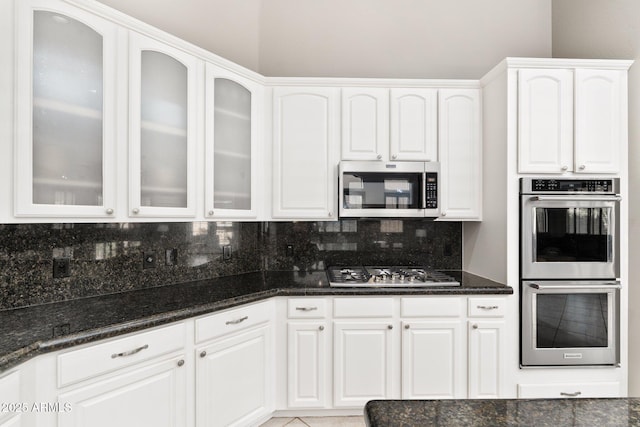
(307, 364)
(11, 400)
(433, 359)
(232, 386)
(569, 390)
(362, 361)
(234, 371)
(153, 394)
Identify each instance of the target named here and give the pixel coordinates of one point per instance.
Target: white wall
(356, 38)
(399, 38)
(229, 28)
(611, 29)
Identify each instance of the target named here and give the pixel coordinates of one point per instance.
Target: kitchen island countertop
(503, 412)
(29, 331)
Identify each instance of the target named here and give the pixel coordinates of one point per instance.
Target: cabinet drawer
(431, 307)
(539, 391)
(98, 359)
(487, 307)
(307, 308)
(217, 325)
(363, 307)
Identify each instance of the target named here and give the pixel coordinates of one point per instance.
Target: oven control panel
(431, 193)
(533, 185)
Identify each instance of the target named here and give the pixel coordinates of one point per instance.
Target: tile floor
(315, 422)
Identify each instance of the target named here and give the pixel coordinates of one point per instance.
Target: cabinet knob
(407, 326)
(564, 168)
(582, 167)
(136, 211)
(330, 213)
(379, 157)
(210, 213)
(180, 362)
(109, 211)
(395, 156)
(321, 328)
(475, 326)
(203, 353)
(443, 214)
(390, 327)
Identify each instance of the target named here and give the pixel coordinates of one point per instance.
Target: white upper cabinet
(389, 124)
(231, 173)
(600, 110)
(305, 143)
(163, 90)
(65, 112)
(413, 125)
(365, 124)
(570, 120)
(460, 154)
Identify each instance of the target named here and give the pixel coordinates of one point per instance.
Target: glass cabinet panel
(67, 121)
(163, 131)
(232, 146)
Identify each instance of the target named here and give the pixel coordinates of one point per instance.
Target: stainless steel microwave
(389, 189)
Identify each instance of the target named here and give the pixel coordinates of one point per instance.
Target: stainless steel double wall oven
(569, 270)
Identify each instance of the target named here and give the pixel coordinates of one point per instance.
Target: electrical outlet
(171, 257)
(61, 268)
(226, 252)
(149, 260)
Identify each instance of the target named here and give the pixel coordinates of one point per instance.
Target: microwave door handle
(424, 190)
(615, 198)
(615, 285)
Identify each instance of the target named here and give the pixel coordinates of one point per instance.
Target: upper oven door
(379, 189)
(570, 237)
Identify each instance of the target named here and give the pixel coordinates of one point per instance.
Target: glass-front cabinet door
(162, 137)
(65, 112)
(231, 158)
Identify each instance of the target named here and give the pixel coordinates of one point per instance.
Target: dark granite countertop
(503, 412)
(27, 332)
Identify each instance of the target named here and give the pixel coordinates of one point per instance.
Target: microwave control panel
(431, 190)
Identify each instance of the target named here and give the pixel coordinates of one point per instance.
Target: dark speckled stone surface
(29, 331)
(503, 412)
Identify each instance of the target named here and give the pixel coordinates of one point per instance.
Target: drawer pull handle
(306, 308)
(130, 352)
(574, 394)
(235, 322)
(488, 307)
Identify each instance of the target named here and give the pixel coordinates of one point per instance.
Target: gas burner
(374, 276)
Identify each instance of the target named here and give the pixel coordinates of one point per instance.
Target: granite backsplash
(108, 258)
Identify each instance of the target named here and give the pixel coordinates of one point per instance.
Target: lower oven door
(567, 323)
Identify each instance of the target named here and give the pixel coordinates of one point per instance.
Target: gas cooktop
(397, 276)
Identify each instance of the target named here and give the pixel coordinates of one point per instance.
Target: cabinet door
(233, 386)
(460, 154)
(545, 121)
(10, 395)
(414, 124)
(304, 153)
(231, 172)
(307, 364)
(485, 353)
(163, 87)
(363, 362)
(365, 124)
(152, 395)
(599, 120)
(65, 112)
(433, 360)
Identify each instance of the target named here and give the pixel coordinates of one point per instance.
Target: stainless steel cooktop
(396, 276)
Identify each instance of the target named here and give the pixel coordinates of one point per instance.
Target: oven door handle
(614, 198)
(614, 285)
